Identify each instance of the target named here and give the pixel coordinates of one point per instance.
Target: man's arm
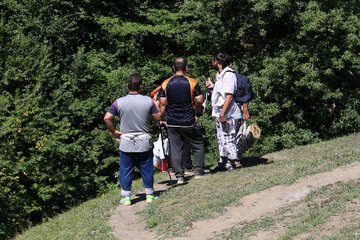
(163, 103)
(199, 101)
(157, 116)
(245, 113)
(109, 122)
(228, 99)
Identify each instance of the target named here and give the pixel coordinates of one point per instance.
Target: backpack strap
(155, 92)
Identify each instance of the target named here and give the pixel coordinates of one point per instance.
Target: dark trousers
(186, 157)
(177, 137)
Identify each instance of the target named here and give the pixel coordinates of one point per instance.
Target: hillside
(305, 192)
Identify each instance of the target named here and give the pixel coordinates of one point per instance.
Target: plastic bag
(160, 151)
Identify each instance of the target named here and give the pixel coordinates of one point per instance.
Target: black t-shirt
(180, 92)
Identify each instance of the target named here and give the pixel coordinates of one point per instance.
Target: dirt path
(127, 224)
(252, 206)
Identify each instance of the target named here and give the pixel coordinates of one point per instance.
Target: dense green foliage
(64, 62)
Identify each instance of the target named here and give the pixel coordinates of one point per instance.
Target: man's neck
(134, 92)
(220, 68)
(180, 73)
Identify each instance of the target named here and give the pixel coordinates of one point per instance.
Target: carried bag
(243, 92)
(247, 137)
(161, 150)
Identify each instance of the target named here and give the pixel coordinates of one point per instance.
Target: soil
(252, 207)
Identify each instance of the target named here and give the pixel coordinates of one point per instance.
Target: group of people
(179, 97)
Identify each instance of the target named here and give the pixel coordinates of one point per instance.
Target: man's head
(180, 64)
(134, 82)
(224, 59)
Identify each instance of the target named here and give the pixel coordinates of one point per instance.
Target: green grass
(208, 197)
(180, 206)
(86, 221)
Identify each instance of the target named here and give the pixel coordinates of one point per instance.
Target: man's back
(180, 92)
(134, 111)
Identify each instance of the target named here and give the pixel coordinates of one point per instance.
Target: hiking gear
(150, 198)
(243, 92)
(167, 155)
(126, 201)
(247, 137)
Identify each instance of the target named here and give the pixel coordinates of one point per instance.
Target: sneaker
(126, 201)
(150, 198)
(204, 175)
(230, 167)
(180, 180)
(189, 172)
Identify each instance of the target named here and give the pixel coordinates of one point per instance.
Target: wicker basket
(247, 137)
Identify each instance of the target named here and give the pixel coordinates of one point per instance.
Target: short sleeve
(229, 83)
(113, 108)
(197, 90)
(161, 93)
(154, 109)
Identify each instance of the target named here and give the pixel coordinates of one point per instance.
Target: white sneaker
(230, 167)
(180, 180)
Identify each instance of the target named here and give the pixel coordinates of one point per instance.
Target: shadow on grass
(253, 161)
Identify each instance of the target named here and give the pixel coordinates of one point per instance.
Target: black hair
(180, 64)
(134, 82)
(223, 58)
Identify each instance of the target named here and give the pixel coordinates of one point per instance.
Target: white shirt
(225, 83)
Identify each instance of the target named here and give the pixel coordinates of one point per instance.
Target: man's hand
(222, 119)
(117, 135)
(109, 122)
(209, 83)
(245, 112)
(246, 115)
(162, 125)
(228, 100)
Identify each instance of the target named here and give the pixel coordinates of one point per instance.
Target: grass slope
(180, 206)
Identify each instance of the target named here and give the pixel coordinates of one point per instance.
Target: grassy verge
(86, 221)
(199, 199)
(175, 211)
